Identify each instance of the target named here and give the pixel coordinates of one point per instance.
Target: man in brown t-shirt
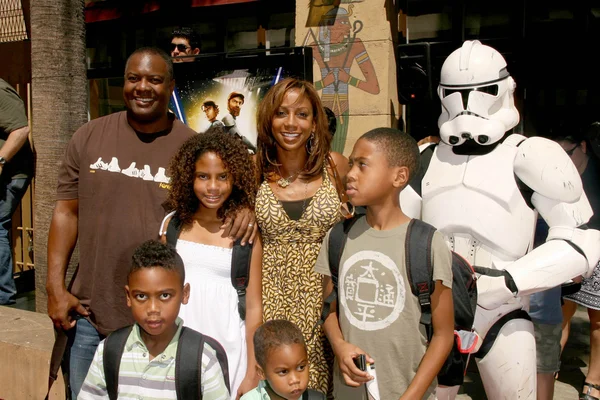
(111, 186)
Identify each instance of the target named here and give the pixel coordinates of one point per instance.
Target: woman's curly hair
(236, 160)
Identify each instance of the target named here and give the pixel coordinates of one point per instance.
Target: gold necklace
(285, 182)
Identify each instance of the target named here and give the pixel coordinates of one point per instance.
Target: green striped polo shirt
(142, 378)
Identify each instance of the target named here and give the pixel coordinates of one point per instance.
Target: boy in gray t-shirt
(378, 315)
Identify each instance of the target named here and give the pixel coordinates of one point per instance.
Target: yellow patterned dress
(291, 289)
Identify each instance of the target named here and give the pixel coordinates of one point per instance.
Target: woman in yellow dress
(297, 203)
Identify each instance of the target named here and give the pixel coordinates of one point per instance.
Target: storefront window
(222, 28)
(106, 96)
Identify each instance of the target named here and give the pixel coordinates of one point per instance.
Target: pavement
(574, 364)
(574, 360)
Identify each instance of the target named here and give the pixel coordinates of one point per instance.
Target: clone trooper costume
(483, 189)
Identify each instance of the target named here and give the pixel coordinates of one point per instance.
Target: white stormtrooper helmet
(477, 96)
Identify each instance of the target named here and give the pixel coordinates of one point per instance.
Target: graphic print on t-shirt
(372, 291)
(132, 171)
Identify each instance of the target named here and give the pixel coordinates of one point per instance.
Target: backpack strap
(111, 358)
(337, 241)
(188, 364)
(173, 230)
(419, 267)
(222, 358)
(311, 394)
(240, 273)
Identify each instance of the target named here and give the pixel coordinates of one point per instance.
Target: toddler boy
(282, 360)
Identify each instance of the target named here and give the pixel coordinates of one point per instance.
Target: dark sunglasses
(181, 47)
(570, 152)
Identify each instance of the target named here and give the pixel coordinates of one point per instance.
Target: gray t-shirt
(377, 310)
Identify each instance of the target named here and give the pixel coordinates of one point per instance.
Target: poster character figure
(211, 110)
(235, 101)
(335, 50)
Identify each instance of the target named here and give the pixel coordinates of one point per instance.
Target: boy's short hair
(153, 253)
(274, 334)
(399, 147)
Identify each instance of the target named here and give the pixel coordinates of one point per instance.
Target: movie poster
(225, 90)
(227, 98)
(222, 89)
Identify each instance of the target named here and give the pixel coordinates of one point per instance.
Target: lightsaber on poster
(177, 106)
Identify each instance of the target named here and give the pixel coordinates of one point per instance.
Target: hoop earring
(310, 143)
(347, 210)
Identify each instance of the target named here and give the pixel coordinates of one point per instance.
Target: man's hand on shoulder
(243, 226)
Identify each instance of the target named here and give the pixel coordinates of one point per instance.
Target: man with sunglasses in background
(185, 42)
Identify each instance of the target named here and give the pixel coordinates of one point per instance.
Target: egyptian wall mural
(334, 33)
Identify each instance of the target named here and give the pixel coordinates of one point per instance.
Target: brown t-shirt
(377, 310)
(119, 178)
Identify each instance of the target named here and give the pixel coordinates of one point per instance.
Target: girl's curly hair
(236, 160)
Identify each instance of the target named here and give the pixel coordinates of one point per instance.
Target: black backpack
(311, 394)
(240, 263)
(419, 268)
(188, 362)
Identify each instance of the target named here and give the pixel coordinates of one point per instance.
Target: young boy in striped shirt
(155, 291)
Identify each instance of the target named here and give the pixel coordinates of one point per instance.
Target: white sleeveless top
(212, 308)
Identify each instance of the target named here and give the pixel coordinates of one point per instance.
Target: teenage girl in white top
(213, 177)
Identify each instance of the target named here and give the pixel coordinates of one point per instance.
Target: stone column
(59, 103)
(354, 65)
